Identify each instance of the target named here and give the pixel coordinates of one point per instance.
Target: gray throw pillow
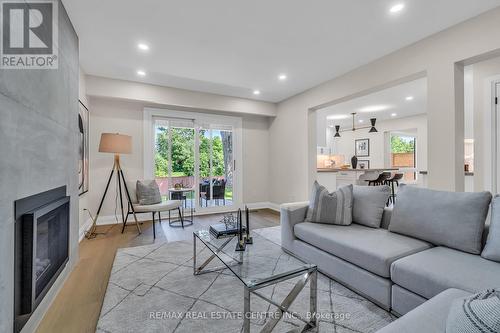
(452, 219)
(331, 208)
(478, 313)
(148, 192)
(369, 203)
(492, 249)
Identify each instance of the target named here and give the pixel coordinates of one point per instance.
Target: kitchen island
(332, 178)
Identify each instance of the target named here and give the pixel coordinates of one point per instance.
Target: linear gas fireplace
(42, 244)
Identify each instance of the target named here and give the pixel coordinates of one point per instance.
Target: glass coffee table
(257, 267)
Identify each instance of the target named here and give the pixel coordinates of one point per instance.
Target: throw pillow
(332, 208)
(148, 192)
(369, 203)
(452, 219)
(492, 249)
(475, 314)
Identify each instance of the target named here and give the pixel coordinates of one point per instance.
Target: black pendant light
(373, 129)
(337, 129)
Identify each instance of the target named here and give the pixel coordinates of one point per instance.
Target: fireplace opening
(42, 249)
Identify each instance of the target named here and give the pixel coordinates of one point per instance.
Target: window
(403, 155)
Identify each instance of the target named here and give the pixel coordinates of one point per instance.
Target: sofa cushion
(429, 317)
(492, 249)
(368, 204)
(476, 313)
(368, 248)
(451, 219)
(332, 208)
(432, 271)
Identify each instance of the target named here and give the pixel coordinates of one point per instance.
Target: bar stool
(381, 179)
(390, 181)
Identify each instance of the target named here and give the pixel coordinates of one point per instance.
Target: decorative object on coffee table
(230, 221)
(241, 245)
(248, 238)
(354, 162)
(227, 227)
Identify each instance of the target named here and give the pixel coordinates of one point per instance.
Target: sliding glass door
(174, 158)
(216, 166)
(197, 155)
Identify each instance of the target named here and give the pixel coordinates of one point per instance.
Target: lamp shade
(115, 143)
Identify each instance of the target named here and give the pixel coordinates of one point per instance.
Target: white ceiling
(233, 47)
(391, 100)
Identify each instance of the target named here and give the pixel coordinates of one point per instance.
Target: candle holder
(241, 245)
(248, 238)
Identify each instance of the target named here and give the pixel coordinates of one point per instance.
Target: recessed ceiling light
(394, 114)
(256, 92)
(409, 98)
(282, 77)
(375, 108)
(143, 47)
(337, 117)
(361, 121)
(141, 73)
(397, 8)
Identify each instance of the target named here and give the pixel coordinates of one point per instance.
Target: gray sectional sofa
(431, 242)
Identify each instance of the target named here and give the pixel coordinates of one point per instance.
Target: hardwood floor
(78, 304)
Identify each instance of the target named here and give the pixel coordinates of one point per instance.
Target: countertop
(356, 170)
(467, 173)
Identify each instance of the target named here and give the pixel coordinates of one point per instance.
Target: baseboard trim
(83, 229)
(274, 206)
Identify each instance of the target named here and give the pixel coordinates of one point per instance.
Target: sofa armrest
(386, 218)
(290, 215)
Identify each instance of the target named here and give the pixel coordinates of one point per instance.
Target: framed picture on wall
(363, 164)
(362, 147)
(83, 148)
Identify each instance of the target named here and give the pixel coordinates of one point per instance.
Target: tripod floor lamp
(116, 144)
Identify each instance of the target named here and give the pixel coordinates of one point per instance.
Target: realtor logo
(29, 34)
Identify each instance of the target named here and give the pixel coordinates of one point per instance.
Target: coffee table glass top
(262, 262)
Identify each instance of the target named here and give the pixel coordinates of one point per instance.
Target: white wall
(126, 117)
(293, 168)
(345, 144)
(175, 98)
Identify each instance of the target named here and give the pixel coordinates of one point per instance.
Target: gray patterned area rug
(152, 289)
